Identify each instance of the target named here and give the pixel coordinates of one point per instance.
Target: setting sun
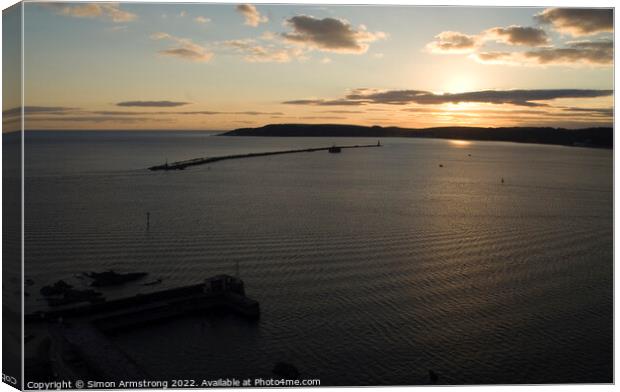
(460, 84)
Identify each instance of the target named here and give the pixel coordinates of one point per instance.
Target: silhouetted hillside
(590, 137)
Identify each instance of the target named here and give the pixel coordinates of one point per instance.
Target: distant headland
(587, 137)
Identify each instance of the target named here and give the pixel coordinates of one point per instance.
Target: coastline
(587, 137)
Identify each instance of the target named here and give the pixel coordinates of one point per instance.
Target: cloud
(179, 113)
(514, 97)
(147, 113)
(123, 113)
(268, 36)
(419, 109)
(602, 112)
(93, 119)
(578, 21)
(187, 54)
(202, 19)
(33, 110)
(506, 115)
(321, 118)
(323, 102)
(518, 35)
(343, 111)
(529, 98)
(453, 42)
(392, 97)
(48, 109)
(252, 16)
(254, 52)
(70, 114)
(12, 112)
(585, 52)
(184, 49)
(160, 35)
(107, 11)
(330, 34)
(557, 111)
(117, 28)
(12, 118)
(252, 113)
(591, 53)
(574, 21)
(495, 57)
(151, 104)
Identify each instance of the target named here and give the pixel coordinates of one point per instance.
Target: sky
(224, 66)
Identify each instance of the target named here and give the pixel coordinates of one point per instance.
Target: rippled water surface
(371, 266)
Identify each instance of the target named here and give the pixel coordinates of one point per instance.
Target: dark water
(371, 266)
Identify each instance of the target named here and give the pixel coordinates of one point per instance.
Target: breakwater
(181, 165)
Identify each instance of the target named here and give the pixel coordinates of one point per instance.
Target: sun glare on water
(459, 143)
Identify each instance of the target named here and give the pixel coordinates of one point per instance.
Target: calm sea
(371, 266)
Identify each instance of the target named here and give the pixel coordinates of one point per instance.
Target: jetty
(181, 165)
(218, 292)
(79, 343)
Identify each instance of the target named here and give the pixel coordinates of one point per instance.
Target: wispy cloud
(556, 116)
(28, 110)
(496, 58)
(252, 16)
(117, 28)
(202, 19)
(60, 111)
(511, 112)
(268, 36)
(343, 111)
(578, 21)
(187, 54)
(324, 102)
(529, 98)
(321, 118)
(453, 42)
(330, 34)
(603, 112)
(184, 49)
(92, 119)
(254, 52)
(156, 104)
(183, 113)
(253, 113)
(106, 11)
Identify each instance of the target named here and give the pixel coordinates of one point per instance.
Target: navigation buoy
(433, 377)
